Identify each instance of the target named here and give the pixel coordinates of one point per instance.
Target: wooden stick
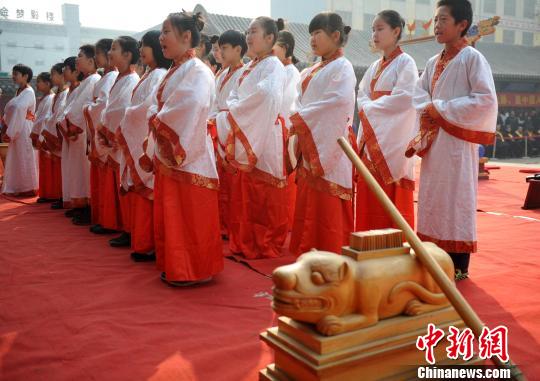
(461, 305)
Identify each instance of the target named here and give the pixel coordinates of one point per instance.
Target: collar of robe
(385, 62)
(120, 76)
(21, 89)
(229, 74)
(287, 61)
(252, 65)
(319, 65)
(189, 54)
(445, 57)
(145, 75)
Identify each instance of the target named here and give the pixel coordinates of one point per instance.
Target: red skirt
(50, 176)
(235, 211)
(321, 221)
(264, 224)
(371, 215)
(291, 195)
(125, 210)
(223, 198)
(96, 173)
(142, 223)
(110, 216)
(186, 228)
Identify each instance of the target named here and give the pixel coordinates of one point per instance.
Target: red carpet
(72, 308)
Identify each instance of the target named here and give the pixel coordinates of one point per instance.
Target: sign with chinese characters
(518, 99)
(25, 14)
(491, 343)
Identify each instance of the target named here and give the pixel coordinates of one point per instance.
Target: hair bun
(199, 22)
(280, 24)
(347, 29)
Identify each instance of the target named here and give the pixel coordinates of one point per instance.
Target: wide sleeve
(472, 117)
(320, 123)
(180, 125)
(364, 91)
(16, 118)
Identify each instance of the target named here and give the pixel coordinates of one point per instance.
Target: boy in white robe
(458, 105)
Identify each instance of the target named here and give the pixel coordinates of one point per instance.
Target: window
(529, 8)
(490, 6)
(509, 7)
(346, 16)
(509, 36)
(528, 38)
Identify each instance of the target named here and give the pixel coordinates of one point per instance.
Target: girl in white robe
(323, 215)
(284, 50)
(20, 168)
(130, 137)
(52, 137)
(457, 103)
(46, 192)
(97, 154)
(387, 121)
(115, 213)
(73, 125)
(186, 216)
(253, 138)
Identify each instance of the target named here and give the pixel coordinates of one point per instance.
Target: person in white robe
(20, 168)
(457, 103)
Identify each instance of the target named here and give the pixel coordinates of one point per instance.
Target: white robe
(43, 112)
(20, 168)
(250, 130)
(50, 132)
(224, 90)
(465, 97)
(290, 94)
(388, 118)
(77, 167)
(325, 113)
(93, 114)
(133, 131)
(183, 146)
(117, 104)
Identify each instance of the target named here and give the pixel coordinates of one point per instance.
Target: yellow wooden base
(386, 351)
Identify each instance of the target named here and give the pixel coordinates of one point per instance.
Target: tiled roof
(512, 62)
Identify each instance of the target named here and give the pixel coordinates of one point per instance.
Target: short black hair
(104, 45)
(24, 70)
(129, 45)
(235, 38)
(214, 38)
(184, 21)
(88, 50)
(57, 67)
(460, 10)
(45, 77)
(393, 19)
(330, 22)
(151, 40)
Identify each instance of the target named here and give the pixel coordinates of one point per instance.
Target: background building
(42, 44)
(519, 18)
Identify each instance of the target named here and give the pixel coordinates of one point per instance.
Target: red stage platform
(72, 308)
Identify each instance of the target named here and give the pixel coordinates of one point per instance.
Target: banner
(518, 99)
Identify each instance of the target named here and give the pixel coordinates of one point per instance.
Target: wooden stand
(483, 174)
(386, 351)
(532, 200)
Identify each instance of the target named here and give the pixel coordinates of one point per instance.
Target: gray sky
(134, 15)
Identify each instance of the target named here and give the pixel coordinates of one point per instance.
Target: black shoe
(184, 283)
(139, 257)
(82, 216)
(70, 213)
(58, 204)
(98, 229)
(123, 240)
(43, 200)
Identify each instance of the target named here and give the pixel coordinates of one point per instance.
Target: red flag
(412, 26)
(428, 24)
